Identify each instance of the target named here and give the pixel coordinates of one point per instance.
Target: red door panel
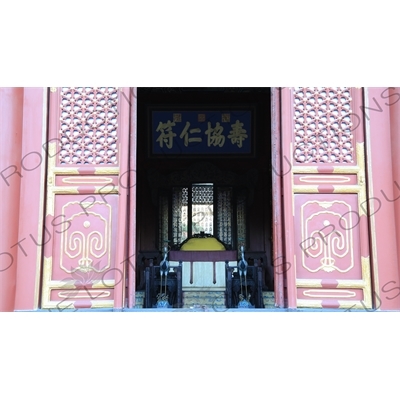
(325, 222)
(86, 203)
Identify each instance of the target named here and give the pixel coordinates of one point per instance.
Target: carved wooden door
(324, 198)
(86, 198)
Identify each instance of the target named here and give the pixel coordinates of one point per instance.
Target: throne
(203, 258)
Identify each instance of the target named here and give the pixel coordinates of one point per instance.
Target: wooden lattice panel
(322, 125)
(88, 125)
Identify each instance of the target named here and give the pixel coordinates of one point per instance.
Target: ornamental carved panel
(88, 125)
(84, 241)
(323, 125)
(327, 236)
(86, 245)
(78, 267)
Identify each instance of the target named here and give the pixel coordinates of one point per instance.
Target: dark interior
(259, 212)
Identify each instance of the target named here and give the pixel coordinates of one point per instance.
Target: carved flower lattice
(88, 124)
(323, 127)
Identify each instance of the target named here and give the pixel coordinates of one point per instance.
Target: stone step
(206, 299)
(209, 299)
(269, 299)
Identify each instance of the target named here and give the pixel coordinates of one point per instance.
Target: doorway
(259, 215)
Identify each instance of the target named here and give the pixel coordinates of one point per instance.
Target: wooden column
(287, 191)
(32, 195)
(131, 265)
(394, 104)
(379, 115)
(276, 160)
(11, 176)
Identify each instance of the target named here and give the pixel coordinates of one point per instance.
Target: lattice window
(179, 214)
(323, 125)
(202, 194)
(224, 215)
(88, 124)
(202, 208)
(241, 218)
(163, 225)
(200, 215)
